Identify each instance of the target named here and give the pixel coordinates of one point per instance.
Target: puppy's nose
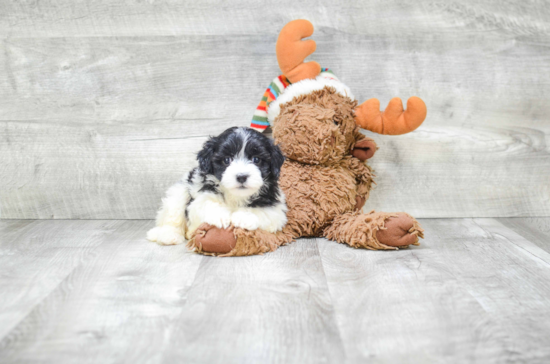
(242, 178)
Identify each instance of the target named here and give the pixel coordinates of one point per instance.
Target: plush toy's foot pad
(210, 239)
(400, 231)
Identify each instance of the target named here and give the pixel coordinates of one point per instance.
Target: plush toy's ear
(394, 120)
(205, 155)
(277, 160)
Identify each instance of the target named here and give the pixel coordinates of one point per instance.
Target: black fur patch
(187, 208)
(192, 175)
(269, 196)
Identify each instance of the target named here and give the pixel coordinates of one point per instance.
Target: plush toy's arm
(364, 148)
(363, 176)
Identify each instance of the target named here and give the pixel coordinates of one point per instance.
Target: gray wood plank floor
(476, 290)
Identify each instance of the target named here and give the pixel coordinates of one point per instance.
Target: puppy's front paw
(165, 235)
(245, 220)
(219, 217)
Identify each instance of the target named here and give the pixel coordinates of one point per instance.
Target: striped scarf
(277, 87)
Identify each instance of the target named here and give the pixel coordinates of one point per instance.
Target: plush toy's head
(296, 98)
(317, 128)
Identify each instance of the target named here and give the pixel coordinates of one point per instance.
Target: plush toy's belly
(315, 195)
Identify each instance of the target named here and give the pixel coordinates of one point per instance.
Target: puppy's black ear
(277, 160)
(205, 155)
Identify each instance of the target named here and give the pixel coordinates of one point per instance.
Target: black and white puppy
(235, 183)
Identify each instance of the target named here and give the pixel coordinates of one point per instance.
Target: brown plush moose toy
(316, 122)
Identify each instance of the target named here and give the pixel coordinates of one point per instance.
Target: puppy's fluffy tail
(172, 211)
(170, 221)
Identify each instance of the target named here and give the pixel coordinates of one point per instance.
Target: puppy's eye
(227, 160)
(255, 160)
(335, 123)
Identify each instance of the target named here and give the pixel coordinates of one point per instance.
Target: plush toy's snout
(306, 133)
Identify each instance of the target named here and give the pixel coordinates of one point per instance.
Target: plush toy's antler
(291, 51)
(394, 120)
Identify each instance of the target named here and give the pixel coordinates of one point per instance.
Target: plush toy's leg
(375, 230)
(210, 240)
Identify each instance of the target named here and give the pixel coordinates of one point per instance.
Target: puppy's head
(242, 160)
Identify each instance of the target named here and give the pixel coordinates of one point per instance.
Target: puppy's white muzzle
(242, 178)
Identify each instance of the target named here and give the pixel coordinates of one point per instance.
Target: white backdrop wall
(103, 104)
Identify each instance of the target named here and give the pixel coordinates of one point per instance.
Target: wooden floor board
(113, 307)
(265, 309)
(472, 292)
(97, 292)
(37, 257)
(12, 227)
(534, 229)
